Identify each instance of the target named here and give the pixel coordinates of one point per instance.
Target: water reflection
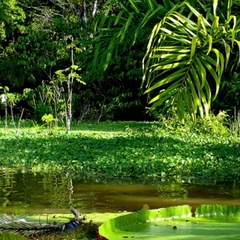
(26, 192)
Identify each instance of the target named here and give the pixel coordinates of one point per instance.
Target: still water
(54, 193)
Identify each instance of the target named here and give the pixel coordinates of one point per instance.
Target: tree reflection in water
(39, 193)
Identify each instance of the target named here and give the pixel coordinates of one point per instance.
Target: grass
(119, 150)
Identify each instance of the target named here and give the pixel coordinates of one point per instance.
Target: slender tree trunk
(100, 114)
(69, 95)
(84, 11)
(238, 122)
(84, 111)
(13, 120)
(94, 8)
(69, 108)
(3, 99)
(20, 118)
(56, 97)
(6, 115)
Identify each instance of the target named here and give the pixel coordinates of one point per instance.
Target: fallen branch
(10, 223)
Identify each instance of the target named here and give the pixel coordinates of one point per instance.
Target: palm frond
(124, 29)
(184, 61)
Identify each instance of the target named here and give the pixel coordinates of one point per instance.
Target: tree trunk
(94, 8)
(84, 11)
(20, 118)
(69, 95)
(68, 108)
(13, 120)
(6, 116)
(68, 124)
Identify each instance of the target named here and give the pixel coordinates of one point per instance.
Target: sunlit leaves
(125, 29)
(11, 17)
(185, 59)
(134, 149)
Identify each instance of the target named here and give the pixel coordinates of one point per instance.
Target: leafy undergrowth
(136, 150)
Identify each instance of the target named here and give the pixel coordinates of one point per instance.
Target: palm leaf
(193, 47)
(238, 45)
(165, 81)
(183, 60)
(124, 29)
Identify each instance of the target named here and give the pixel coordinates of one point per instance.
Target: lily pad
(178, 222)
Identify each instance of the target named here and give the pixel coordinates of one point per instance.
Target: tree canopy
(131, 55)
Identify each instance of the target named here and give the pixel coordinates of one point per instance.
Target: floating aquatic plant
(178, 222)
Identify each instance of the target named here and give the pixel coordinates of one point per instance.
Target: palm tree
(186, 56)
(124, 24)
(188, 47)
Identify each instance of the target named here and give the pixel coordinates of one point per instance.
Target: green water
(54, 193)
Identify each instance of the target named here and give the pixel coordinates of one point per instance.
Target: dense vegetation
(140, 151)
(72, 60)
(79, 59)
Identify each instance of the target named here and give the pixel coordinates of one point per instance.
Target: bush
(213, 125)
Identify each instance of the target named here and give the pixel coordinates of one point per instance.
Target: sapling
(12, 100)
(48, 118)
(66, 78)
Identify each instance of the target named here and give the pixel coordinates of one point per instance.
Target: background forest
(119, 60)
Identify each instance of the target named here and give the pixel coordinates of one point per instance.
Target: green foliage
(70, 72)
(234, 125)
(38, 39)
(43, 45)
(5, 89)
(126, 150)
(213, 125)
(125, 29)
(186, 56)
(11, 18)
(13, 98)
(40, 100)
(49, 119)
(41, 110)
(116, 95)
(184, 62)
(228, 97)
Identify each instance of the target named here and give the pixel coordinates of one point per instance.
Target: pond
(27, 192)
